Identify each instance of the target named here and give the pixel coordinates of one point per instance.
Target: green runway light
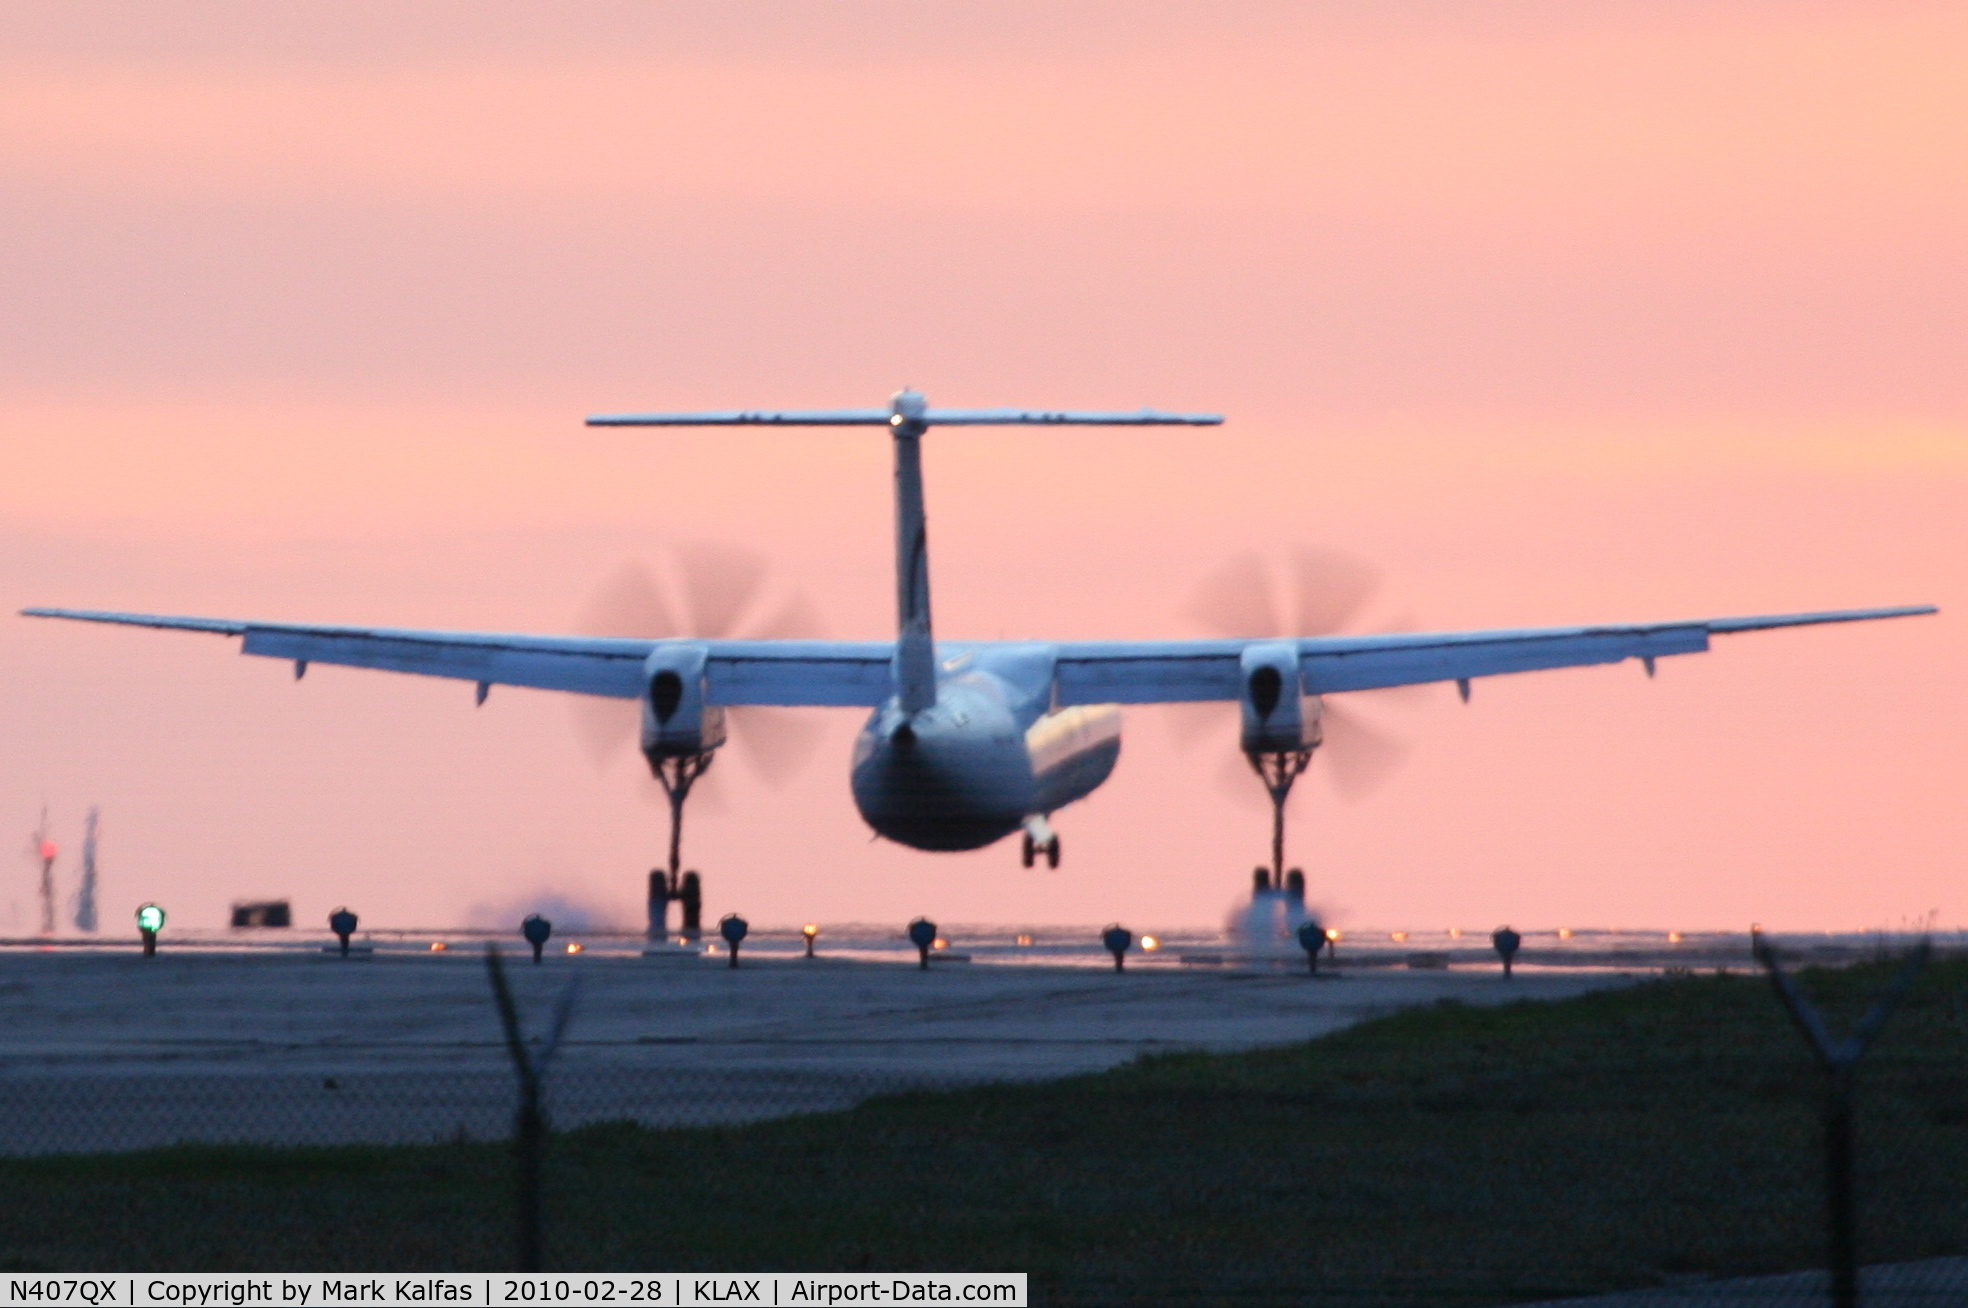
(150, 920)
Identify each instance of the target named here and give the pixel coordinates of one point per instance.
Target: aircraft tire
(1029, 854)
(1052, 853)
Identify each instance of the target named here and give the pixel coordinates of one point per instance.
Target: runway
(109, 1050)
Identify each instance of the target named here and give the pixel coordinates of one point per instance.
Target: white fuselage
(989, 754)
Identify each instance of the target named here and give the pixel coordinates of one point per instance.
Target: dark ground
(1448, 1155)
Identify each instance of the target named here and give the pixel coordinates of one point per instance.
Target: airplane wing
(816, 672)
(1157, 672)
(859, 673)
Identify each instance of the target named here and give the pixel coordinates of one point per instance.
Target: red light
(48, 851)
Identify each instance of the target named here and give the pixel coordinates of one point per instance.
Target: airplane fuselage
(988, 755)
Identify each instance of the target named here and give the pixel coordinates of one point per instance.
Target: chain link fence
(45, 1115)
(1665, 1143)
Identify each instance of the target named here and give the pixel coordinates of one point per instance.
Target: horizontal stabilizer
(747, 418)
(928, 418)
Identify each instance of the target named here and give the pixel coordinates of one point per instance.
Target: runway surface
(108, 1050)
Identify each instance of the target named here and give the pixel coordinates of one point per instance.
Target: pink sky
(1556, 312)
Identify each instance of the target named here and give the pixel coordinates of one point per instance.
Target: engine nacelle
(1277, 714)
(676, 721)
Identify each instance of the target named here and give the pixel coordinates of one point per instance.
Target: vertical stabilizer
(915, 647)
(907, 416)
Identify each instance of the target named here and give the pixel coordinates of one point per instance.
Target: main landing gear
(1278, 769)
(677, 773)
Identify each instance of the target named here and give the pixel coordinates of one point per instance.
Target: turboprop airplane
(968, 741)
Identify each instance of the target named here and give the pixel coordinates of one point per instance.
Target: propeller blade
(1233, 777)
(1330, 589)
(707, 793)
(629, 603)
(798, 618)
(1360, 758)
(1190, 723)
(1237, 600)
(1326, 589)
(604, 726)
(722, 582)
(778, 742)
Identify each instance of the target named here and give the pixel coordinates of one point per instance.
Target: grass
(1445, 1155)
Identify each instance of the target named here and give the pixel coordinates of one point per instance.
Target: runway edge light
(342, 923)
(734, 929)
(1312, 938)
(536, 930)
(1117, 940)
(1506, 942)
(922, 934)
(150, 920)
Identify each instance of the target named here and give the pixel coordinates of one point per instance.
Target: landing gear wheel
(1030, 852)
(1052, 853)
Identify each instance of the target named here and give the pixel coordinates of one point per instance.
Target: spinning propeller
(1313, 592)
(711, 592)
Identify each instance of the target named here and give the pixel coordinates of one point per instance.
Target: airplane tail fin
(907, 417)
(915, 643)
